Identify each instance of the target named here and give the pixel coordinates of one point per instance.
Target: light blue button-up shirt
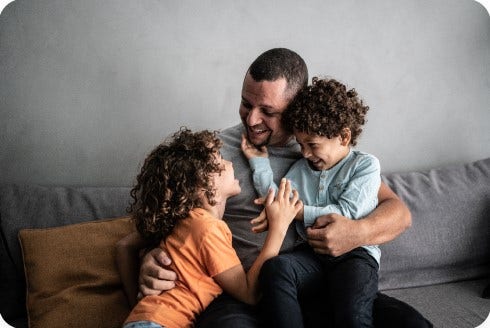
(350, 188)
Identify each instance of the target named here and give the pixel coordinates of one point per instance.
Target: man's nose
(254, 117)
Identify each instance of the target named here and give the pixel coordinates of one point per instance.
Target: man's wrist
(362, 232)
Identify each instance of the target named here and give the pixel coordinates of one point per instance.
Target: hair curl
(171, 181)
(325, 108)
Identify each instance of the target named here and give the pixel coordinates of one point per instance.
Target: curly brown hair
(171, 181)
(325, 108)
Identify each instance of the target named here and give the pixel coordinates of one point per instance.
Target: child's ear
(345, 136)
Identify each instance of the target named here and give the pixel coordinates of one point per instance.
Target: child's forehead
(307, 137)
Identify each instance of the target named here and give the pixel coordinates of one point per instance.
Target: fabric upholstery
(449, 239)
(450, 235)
(455, 304)
(72, 276)
(34, 206)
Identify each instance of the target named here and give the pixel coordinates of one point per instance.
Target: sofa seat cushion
(457, 304)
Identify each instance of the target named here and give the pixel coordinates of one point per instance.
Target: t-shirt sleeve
(217, 251)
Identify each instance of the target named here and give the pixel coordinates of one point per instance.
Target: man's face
(261, 109)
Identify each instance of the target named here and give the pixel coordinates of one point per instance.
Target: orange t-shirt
(200, 247)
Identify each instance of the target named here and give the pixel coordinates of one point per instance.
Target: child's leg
(280, 279)
(352, 283)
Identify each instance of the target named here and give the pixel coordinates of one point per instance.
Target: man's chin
(259, 141)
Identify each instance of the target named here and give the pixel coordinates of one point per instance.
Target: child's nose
(306, 152)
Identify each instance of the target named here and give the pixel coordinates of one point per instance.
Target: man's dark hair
(281, 63)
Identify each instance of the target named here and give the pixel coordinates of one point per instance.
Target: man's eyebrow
(260, 105)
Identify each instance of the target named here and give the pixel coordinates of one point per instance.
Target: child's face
(225, 182)
(321, 152)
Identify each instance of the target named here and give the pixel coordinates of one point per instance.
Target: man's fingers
(157, 287)
(261, 227)
(259, 219)
(314, 234)
(260, 201)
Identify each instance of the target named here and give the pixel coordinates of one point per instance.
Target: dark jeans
(290, 287)
(388, 312)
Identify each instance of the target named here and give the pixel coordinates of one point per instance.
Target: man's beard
(265, 143)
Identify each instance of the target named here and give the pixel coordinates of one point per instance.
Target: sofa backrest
(450, 235)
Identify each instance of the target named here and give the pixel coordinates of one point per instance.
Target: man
(270, 84)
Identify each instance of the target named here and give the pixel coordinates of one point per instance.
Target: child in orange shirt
(178, 203)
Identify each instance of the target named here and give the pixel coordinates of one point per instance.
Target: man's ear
(345, 136)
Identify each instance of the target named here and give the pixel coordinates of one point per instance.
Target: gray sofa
(440, 266)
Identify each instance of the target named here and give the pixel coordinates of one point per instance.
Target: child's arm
(357, 199)
(280, 212)
(258, 159)
(128, 264)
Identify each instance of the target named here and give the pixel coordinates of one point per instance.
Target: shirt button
(321, 188)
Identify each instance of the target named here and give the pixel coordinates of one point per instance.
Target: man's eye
(246, 105)
(270, 114)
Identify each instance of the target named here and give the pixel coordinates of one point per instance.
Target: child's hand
(282, 208)
(250, 151)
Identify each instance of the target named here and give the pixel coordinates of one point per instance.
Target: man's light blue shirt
(350, 188)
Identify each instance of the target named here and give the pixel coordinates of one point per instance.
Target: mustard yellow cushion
(71, 274)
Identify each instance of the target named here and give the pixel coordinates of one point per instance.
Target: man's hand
(334, 234)
(155, 277)
(250, 151)
(260, 223)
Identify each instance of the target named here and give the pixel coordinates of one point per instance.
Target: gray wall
(87, 88)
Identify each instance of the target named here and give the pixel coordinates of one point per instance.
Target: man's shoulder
(232, 134)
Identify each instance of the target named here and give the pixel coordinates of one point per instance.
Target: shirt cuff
(259, 163)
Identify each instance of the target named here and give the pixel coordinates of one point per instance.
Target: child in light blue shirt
(326, 120)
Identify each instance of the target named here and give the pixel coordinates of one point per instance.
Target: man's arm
(335, 235)
(127, 264)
